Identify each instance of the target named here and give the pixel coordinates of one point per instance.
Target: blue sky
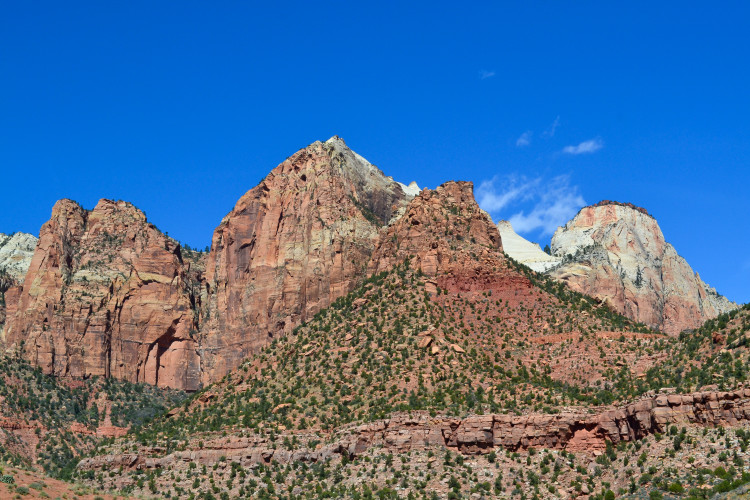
(181, 107)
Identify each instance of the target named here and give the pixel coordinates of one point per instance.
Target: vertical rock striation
(106, 294)
(617, 253)
(292, 245)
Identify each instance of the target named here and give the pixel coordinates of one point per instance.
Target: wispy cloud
(586, 147)
(494, 199)
(484, 74)
(550, 132)
(554, 202)
(524, 140)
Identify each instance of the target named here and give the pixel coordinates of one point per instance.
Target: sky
(181, 107)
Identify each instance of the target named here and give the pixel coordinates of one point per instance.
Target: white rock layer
(16, 251)
(527, 253)
(618, 254)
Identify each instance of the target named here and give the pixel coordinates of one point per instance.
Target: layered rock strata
(16, 251)
(574, 430)
(106, 294)
(15, 256)
(292, 245)
(527, 253)
(616, 252)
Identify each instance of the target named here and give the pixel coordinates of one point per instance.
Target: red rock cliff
(291, 246)
(106, 294)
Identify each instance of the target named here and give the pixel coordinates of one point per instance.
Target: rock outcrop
(107, 294)
(446, 235)
(572, 430)
(617, 253)
(16, 251)
(292, 245)
(527, 253)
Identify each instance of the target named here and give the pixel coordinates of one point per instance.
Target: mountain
(107, 294)
(616, 252)
(347, 337)
(290, 247)
(449, 370)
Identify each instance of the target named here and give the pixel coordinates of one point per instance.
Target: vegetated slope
(717, 353)
(48, 422)
(390, 349)
(455, 328)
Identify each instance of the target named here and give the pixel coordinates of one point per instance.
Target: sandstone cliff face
(291, 246)
(106, 294)
(617, 253)
(15, 256)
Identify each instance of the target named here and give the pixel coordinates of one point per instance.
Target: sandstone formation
(524, 251)
(572, 430)
(447, 236)
(15, 254)
(292, 245)
(616, 252)
(106, 294)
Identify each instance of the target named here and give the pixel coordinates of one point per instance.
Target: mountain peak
(612, 252)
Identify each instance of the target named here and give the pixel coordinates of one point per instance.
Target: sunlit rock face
(292, 245)
(107, 294)
(617, 253)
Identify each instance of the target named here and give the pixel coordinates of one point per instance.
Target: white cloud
(554, 200)
(586, 147)
(550, 132)
(484, 74)
(524, 140)
(493, 200)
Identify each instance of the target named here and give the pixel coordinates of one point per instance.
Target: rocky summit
(106, 294)
(616, 252)
(349, 336)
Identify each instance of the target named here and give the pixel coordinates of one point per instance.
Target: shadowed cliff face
(291, 246)
(106, 294)
(618, 254)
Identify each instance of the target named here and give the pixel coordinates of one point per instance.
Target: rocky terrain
(16, 251)
(349, 336)
(49, 422)
(106, 294)
(291, 246)
(15, 256)
(616, 252)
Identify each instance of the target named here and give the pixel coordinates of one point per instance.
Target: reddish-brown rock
(291, 245)
(439, 230)
(617, 253)
(106, 294)
(574, 430)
